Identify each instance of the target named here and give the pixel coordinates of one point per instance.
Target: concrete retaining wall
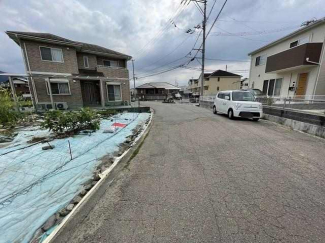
(305, 117)
(298, 125)
(206, 104)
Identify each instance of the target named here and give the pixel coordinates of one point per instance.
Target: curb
(108, 177)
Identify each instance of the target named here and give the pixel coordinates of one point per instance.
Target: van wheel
(230, 114)
(256, 119)
(215, 110)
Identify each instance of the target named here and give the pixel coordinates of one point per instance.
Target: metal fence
(308, 103)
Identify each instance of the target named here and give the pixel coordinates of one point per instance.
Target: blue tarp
(36, 183)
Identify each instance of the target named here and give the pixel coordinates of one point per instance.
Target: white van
(238, 103)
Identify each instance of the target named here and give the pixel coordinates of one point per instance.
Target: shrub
(107, 113)
(71, 121)
(269, 101)
(8, 116)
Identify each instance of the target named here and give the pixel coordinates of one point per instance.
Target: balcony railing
(304, 55)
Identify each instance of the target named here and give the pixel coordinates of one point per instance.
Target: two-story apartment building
(293, 65)
(71, 74)
(214, 82)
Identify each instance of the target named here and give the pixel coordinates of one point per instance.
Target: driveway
(200, 177)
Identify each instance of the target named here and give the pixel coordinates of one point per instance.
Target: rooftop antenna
(308, 22)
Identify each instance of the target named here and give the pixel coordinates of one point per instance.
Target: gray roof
(50, 38)
(157, 85)
(297, 32)
(221, 73)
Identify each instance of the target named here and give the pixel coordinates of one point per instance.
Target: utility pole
(135, 95)
(204, 12)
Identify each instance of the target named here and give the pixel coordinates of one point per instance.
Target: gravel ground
(200, 177)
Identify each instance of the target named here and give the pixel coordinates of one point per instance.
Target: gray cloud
(135, 28)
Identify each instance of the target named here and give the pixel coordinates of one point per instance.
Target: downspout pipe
(319, 68)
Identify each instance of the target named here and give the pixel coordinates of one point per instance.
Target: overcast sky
(145, 29)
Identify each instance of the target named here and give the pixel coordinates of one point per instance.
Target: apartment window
(293, 44)
(217, 88)
(59, 88)
(272, 87)
(110, 63)
(277, 88)
(51, 54)
(299, 42)
(206, 88)
(86, 62)
(218, 79)
(114, 92)
(265, 86)
(260, 60)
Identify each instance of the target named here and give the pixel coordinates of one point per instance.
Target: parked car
(238, 103)
(256, 92)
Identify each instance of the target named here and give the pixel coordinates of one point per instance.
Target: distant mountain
(3, 78)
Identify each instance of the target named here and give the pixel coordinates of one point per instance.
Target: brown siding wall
(125, 86)
(91, 58)
(74, 100)
(294, 57)
(37, 64)
(101, 59)
(72, 62)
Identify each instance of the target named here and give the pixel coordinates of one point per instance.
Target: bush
(72, 121)
(107, 113)
(8, 116)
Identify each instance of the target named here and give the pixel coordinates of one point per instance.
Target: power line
(161, 72)
(179, 10)
(215, 1)
(261, 32)
(242, 36)
(166, 64)
(224, 4)
(226, 60)
(175, 49)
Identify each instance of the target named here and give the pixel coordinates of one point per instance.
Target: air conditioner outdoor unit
(44, 106)
(48, 106)
(61, 105)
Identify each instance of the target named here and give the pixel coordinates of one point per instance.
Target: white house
(293, 65)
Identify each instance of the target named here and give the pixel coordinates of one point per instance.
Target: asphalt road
(200, 177)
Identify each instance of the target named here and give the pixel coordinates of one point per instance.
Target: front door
(90, 93)
(302, 84)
